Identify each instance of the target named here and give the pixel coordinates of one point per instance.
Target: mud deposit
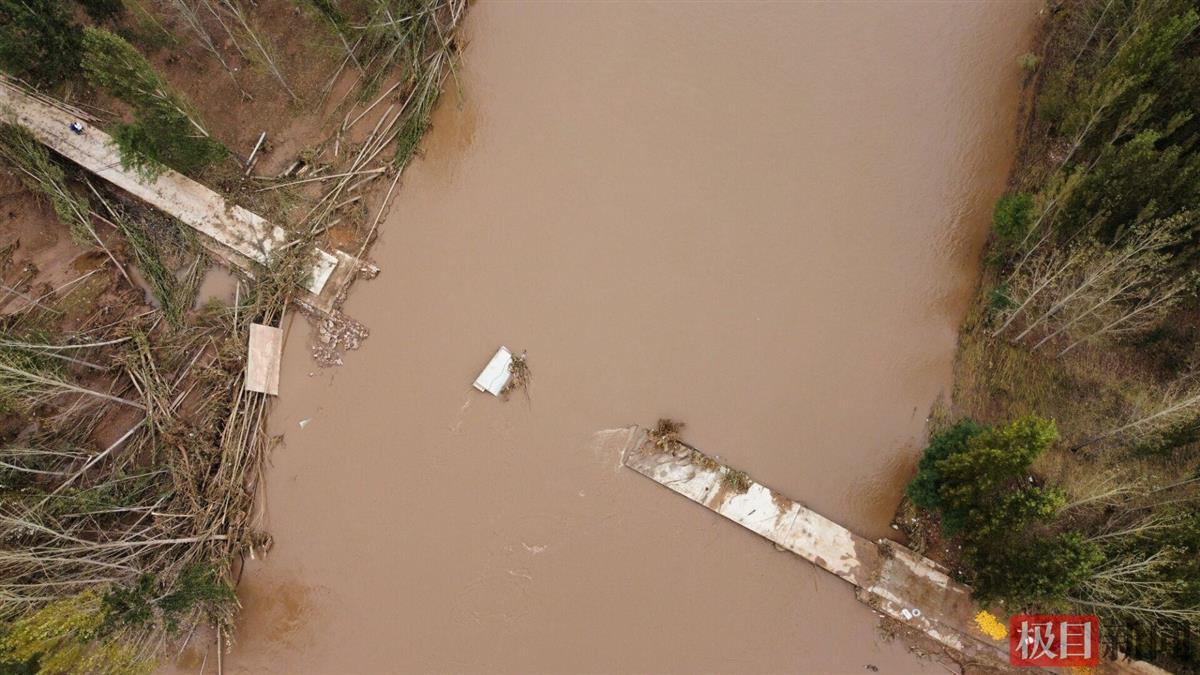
(763, 219)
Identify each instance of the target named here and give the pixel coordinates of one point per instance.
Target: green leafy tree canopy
(164, 131)
(38, 40)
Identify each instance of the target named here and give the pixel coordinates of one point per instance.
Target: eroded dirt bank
(764, 220)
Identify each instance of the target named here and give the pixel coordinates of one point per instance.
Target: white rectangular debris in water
(262, 361)
(496, 374)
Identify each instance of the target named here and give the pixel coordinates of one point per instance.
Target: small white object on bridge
(262, 359)
(496, 373)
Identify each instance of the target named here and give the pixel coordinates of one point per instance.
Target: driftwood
(254, 153)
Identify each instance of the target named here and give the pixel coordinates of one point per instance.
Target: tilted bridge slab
(886, 575)
(234, 235)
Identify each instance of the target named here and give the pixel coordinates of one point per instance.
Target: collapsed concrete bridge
(886, 575)
(233, 235)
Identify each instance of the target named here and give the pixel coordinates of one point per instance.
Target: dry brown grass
(704, 461)
(667, 434)
(738, 481)
(520, 377)
(170, 488)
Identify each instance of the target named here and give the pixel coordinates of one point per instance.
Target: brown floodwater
(763, 219)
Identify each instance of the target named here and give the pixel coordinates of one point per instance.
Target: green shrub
(164, 131)
(200, 585)
(1011, 217)
(1054, 100)
(38, 40)
(132, 606)
(327, 9)
(977, 480)
(923, 490)
(101, 10)
(999, 298)
(1036, 571)
(66, 636)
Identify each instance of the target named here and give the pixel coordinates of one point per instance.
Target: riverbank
(132, 452)
(1087, 316)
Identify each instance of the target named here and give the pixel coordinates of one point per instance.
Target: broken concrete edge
(336, 283)
(321, 271)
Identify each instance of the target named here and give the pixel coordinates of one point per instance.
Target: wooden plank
(262, 360)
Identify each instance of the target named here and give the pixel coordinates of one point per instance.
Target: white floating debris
(910, 613)
(262, 359)
(496, 374)
(304, 422)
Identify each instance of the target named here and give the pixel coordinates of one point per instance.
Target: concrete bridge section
(229, 232)
(886, 575)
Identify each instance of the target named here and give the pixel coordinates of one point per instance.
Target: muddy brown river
(762, 219)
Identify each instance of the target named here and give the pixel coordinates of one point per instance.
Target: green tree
(1132, 182)
(1011, 217)
(38, 40)
(1012, 510)
(1038, 571)
(1121, 108)
(101, 10)
(978, 481)
(924, 490)
(161, 138)
(164, 131)
(975, 482)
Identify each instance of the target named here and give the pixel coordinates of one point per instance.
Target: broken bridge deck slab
(887, 576)
(233, 234)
